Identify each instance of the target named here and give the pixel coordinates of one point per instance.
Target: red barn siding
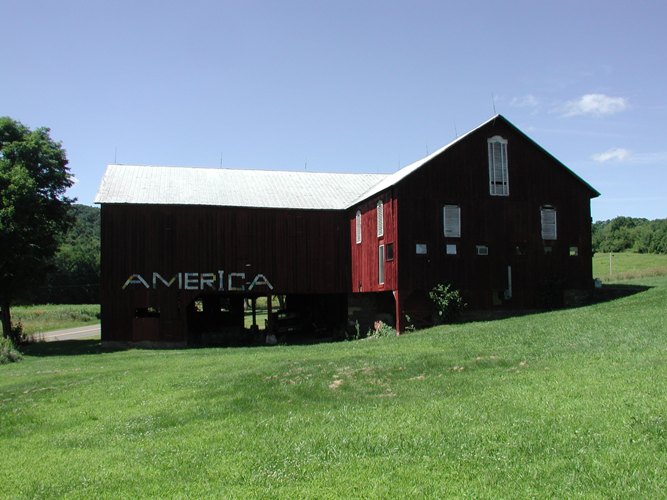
(364, 255)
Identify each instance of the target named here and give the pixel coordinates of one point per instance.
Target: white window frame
(498, 167)
(380, 218)
(482, 250)
(381, 261)
(549, 223)
(357, 225)
(451, 221)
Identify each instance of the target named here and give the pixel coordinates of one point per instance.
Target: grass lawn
(562, 404)
(49, 317)
(628, 266)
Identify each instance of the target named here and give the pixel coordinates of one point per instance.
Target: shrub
(380, 330)
(8, 353)
(448, 302)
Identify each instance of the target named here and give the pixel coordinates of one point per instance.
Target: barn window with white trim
(498, 171)
(380, 218)
(451, 215)
(548, 220)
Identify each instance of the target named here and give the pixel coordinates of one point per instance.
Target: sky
(343, 86)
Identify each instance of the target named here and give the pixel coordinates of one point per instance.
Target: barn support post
(6, 319)
(269, 311)
(253, 302)
(397, 301)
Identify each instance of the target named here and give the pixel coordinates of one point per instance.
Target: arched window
(380, 218)
(498, 175)
(358, 225)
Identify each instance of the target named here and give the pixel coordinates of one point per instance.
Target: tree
(74, 276)
(33, 208)
(628, 234)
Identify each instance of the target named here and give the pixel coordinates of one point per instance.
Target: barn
(187, 253)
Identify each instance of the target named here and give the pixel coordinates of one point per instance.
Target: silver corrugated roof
(255, 188)
(247, 188)
(228, 187)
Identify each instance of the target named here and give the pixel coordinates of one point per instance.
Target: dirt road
(81, 332)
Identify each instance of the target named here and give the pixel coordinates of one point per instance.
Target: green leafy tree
(33, 208)
(628, 234)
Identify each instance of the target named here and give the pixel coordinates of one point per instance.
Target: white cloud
(595, 104)
(526, 101)
(614, 154)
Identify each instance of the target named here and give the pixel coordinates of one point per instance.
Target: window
(389, 250)
(450, 249)
(451, 215)
(421, 249)
(380, 218)
(548, 219)
(482, 250)
(358, 225)
(574, 251)
(381, 264)
(498, 177)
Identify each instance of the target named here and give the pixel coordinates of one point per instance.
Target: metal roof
(260, 188)
(229, 187)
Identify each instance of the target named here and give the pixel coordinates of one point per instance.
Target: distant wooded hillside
(75, 269)
(628, 234)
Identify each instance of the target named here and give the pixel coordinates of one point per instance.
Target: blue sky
(343, 86)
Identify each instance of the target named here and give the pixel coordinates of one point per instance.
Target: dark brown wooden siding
(508, 225)
(298, 251)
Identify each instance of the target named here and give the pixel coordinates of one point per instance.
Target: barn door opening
(215, 318)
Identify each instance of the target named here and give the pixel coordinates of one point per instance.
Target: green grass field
(627, 265)
(571, 403)
(49, 317)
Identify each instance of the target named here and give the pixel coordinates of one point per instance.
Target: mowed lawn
(562, 404)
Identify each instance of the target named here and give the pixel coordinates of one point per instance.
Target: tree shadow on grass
(92, 347)
(67, 348)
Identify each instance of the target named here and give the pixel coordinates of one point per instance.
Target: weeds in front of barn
(562, 404)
